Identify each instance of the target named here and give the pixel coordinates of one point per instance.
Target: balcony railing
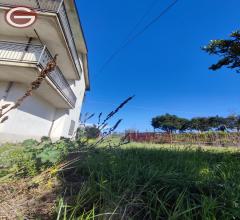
(40, 56)
(53, 6)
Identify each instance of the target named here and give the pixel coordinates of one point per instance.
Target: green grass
(153, 182)
(135, 181)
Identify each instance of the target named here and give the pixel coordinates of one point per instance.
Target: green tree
(171, 123)
(92, 132)
(167, 122)
(199, 124)
(228, 50)
(238, 124)
(231, 122)
(184, 124)
(216, 122)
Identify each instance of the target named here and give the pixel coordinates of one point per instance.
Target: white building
(54, 108)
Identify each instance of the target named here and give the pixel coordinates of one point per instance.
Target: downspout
(8, 88)
(26, 48)
(52, 124)
(51, 129)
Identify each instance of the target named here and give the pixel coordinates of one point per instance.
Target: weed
(148, 183)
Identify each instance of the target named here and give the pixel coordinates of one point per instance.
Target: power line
(141, 20)
(130, 40)
(128, 36)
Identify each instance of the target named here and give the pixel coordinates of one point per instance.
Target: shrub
(31, 157)
(46, 139)
(92, 132)
(29, 143)
(89, 132)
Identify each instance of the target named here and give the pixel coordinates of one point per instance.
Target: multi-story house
(54, 109)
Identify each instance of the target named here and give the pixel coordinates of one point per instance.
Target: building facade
(54, 109)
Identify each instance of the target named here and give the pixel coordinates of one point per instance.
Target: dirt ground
(29, 198)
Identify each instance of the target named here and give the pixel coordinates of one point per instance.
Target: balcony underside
(26, 73)
(50, 32)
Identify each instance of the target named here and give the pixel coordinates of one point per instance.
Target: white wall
(36, 117)
(33, 119)
(63, 118)
(3, 87)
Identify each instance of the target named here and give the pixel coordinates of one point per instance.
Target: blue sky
(165, 67)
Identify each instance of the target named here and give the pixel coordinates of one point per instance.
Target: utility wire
(141, 20)
(130, 40)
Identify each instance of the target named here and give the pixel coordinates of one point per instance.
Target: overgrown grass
(134, 181)
(153, 183)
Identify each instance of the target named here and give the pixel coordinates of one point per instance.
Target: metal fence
(54, 6)
(39, 55)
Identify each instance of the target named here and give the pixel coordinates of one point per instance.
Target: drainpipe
(8, 88)
(51, 129)
(53, 121)
(28, 44)
(26, 48)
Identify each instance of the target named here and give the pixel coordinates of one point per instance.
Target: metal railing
(47, 5)
(40, 56)
(53, 6)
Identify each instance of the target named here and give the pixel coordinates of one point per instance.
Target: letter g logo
(21, 17)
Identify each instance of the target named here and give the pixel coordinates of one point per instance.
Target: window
(72, 127)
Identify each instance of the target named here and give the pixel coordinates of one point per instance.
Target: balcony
(24, 56)
(56, 7)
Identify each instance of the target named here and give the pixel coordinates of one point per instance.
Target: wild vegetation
(131, 181)
(110, 178)
(156, 183)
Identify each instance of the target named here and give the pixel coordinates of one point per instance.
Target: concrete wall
(36, 117)
(63, 118)
(33, 119)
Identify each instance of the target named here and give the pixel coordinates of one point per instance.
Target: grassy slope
(156, 182)
(140, 181)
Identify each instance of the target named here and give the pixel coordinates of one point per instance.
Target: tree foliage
(228, 50)
(168, 123)
(92, 132)
(171, 123)
(89, 132)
